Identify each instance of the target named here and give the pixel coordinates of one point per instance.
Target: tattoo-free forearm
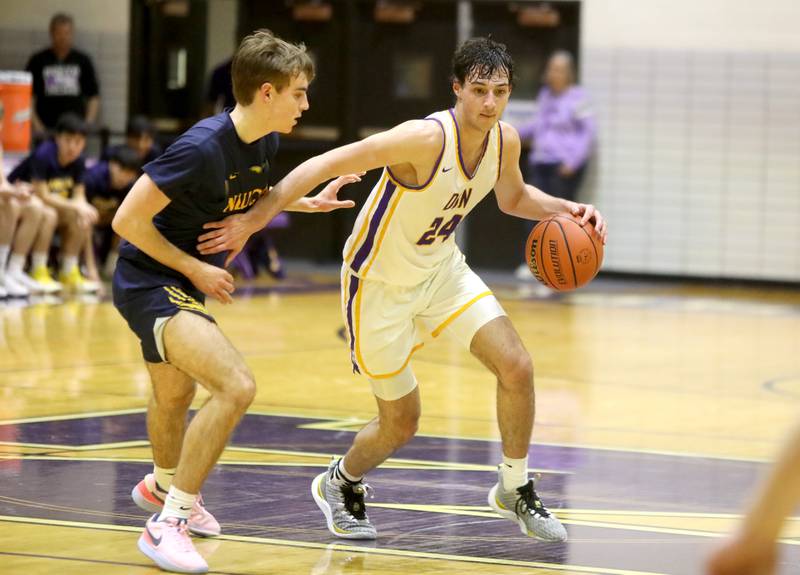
(145, 236)
(534, 204)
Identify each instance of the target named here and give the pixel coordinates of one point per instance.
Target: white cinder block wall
(698, 162)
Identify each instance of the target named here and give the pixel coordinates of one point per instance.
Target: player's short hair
(126, 158)
(263, 57)
(60, 18)
(482, 58)
(140, 125)
(71, 123)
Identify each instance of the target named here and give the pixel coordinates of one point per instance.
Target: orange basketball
(563, 255)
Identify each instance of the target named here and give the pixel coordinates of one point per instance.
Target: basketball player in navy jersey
(220, 166)
(405, 280)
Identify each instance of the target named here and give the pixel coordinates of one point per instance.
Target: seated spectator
(220, 89)
(25, 223)
(55, 170)
(107, 183)
(141, 136)
(64, 79)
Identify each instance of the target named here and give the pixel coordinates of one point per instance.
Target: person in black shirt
(64, 79)
(219, 166)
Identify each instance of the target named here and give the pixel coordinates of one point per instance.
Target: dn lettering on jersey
(243, 200)
(458, 200)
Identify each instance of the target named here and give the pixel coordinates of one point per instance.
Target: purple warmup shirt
(563, 129)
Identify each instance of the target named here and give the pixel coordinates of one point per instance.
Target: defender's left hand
(230, 235)
(588, 213)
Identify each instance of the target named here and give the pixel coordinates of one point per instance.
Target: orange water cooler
(15, 107)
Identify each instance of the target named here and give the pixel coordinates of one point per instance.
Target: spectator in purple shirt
(561, 134)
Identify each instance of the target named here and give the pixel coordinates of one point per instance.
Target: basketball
(563, 255)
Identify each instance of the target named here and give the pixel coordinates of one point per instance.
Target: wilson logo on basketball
(534, 267)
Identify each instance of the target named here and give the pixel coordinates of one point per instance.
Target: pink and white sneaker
(149, 496)
(168, 543)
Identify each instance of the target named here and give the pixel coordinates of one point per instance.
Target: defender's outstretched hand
(327, 200)
(232, 233)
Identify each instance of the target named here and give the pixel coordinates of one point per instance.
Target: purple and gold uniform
(208, 173)
(404, 278)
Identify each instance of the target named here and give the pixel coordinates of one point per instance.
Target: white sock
(15, 263)
(514, 472)
(340, 473)
(178, 504)
(163, 477)
(39, 260)
(4, 250)
(67, 263)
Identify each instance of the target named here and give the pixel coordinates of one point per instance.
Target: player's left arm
(517, 198)
(327, 200)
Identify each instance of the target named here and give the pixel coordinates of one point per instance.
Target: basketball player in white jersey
(404, 278)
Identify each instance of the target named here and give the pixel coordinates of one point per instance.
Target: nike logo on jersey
(182, 508)
(447, 169)
(233, 176)
(259, 169)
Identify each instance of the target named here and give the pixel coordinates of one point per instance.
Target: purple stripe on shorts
(365, 249)
(353, 290)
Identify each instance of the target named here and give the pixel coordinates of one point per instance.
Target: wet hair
(263, 57)
(482, 58)
(71, 123)
(126, 158)
(60, 18)
(139, 126)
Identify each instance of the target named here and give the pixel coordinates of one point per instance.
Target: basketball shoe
(150, 497)
(168, 543)
(342, 502)
(74, 281)
(42, 276)
(524, 507)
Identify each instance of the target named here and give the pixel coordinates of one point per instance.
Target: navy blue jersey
(208, 173)
(43, 164)
(99, 191)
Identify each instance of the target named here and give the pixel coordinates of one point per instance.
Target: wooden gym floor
(657, 405)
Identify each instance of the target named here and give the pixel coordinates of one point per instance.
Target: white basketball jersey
(404, 232)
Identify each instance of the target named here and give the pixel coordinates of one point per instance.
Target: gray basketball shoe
(524, 507)
(342, 503)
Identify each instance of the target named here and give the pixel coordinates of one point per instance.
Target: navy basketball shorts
(148, 300)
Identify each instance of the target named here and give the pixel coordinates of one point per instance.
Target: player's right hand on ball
(213, 281)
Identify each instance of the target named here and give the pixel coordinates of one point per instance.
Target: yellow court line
(338, 419)
(397, 461)
(92, 447)
(68, 416)
(563, 515)
(349, 548)
(389, 464)
(691, 515)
